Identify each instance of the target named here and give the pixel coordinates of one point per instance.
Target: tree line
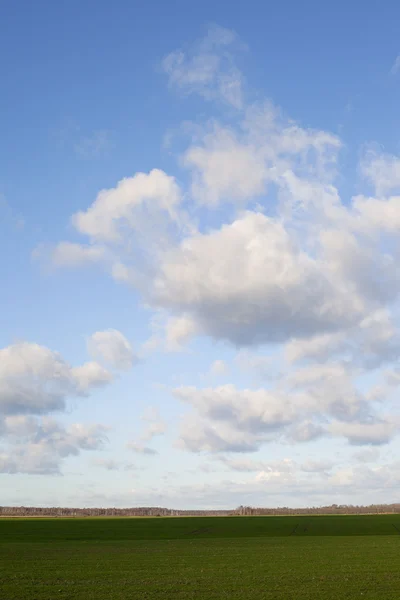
(156, 511)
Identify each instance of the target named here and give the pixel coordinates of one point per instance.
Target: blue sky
(199, 214)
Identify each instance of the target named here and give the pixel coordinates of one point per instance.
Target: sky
(199, 221)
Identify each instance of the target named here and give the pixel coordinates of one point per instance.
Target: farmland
(307, 557)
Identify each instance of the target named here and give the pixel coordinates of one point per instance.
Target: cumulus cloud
(382, 170)
(216, 278)
(119, 209)
(313, 401)
(38, 446)
(359, 434)
(112, 347)
(68, 254)
(257, 249)
(232, 420)
(306, 272)
(238, 165)
(36, 380)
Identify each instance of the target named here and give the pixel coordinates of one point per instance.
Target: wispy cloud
(396, 66)
(95, 145)
(208, 68)
(92, 144)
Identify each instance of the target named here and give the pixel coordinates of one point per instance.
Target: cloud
(205, 436)
(216, 279)
(257, 248)
(227, 419)
(39, 446)
(382, 170)
(208, 69)
(91, 375)
(314, 401)
(170, 334)
(36, 380)
(67, 254)
(366, 433)
(156, 427)
(396, 66)
(225, 169)
(344, 485)
(236, 165)
(112, 347)
(118, 210)
(95, 145)
(318, 347)
(376, 335)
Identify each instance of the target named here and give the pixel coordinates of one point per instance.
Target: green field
(254, 558)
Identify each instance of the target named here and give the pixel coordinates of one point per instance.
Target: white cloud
(375, 341)
(170, 334)
(237, 165)
(249, 283)
(112, 347)
(313, 401)
(374, 215)
(365, 433)
(36, 380)
(90, 375)
(178, 330)
(317, 347)
(227, 419)
(281, 259)
(119, 209)
(67, 254)
(208, 69)
(225, 169)
(39, 446)
(204, 435)
(382, 170)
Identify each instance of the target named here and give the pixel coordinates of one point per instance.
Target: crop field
(247, 558)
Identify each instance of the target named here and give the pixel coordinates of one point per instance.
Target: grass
(247, 558)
